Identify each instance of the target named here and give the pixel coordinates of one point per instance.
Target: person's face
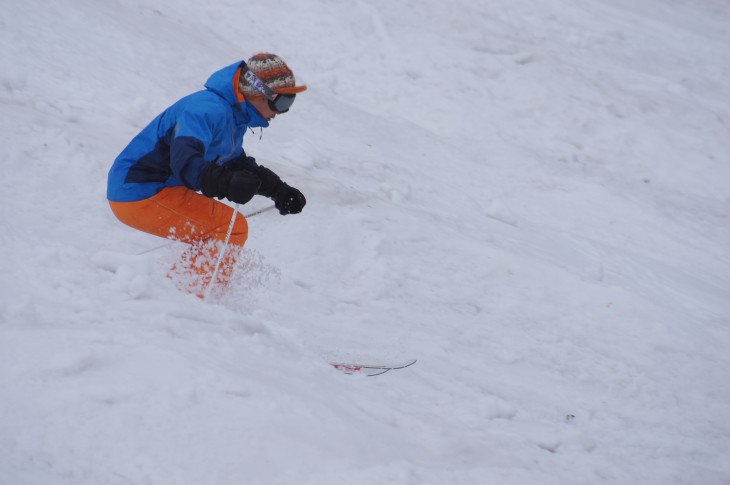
(262, 106)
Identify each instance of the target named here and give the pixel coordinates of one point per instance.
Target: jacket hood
(221, 82)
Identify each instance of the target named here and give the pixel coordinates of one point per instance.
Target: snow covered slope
(529, 197)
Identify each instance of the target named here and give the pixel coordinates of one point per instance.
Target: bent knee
(240, 231)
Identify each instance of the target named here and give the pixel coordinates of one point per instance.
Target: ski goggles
(281, 102)
(278, 102)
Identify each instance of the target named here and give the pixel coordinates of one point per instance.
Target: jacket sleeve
(192, 136)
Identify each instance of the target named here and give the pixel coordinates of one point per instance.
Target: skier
(194, 146)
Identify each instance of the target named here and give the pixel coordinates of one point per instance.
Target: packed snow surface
(529, 197)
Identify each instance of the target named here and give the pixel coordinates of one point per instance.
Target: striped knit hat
(272, 70)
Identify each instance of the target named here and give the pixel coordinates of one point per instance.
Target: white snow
(531, 198)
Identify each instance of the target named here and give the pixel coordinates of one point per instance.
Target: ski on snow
(370, 370)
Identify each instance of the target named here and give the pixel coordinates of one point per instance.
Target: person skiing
(196, 145)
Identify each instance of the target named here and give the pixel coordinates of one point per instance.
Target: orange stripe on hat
(292, 90)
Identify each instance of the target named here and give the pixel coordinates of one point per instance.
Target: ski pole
(247, 216)
(223, 252)
(260, 211)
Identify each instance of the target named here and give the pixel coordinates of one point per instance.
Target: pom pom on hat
(272, 70)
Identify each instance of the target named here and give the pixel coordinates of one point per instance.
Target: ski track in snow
(528, 197)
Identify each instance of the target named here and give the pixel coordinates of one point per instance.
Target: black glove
(239, 186)
(289, 200)
(286, 198)
(243, 162)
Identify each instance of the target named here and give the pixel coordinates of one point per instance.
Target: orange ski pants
(181, 214)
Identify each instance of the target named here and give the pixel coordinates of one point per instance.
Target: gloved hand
(286, 198)
(242, 162)
(289, 200)
(239, 186)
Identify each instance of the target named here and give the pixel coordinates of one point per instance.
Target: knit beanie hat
(272, 70)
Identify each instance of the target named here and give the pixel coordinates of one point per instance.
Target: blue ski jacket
(204, 127)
